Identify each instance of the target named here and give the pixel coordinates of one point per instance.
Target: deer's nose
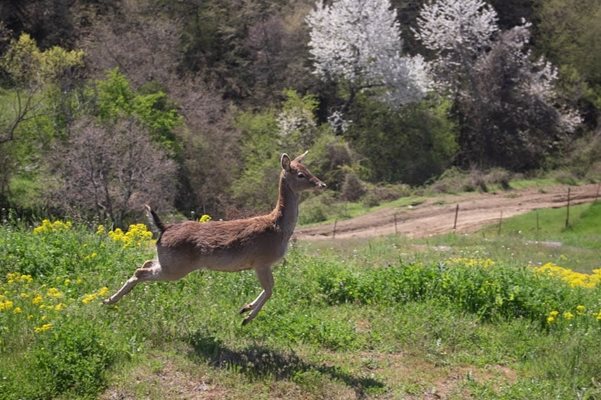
(321, 185)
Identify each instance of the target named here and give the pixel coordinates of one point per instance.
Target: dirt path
(437, 215)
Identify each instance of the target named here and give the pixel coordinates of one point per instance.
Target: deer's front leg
(150, 271)
(265, 277)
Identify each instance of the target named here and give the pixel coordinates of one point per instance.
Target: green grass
(377, 320)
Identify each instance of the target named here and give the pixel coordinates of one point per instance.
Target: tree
(358, 43)
(110, 171)
(37, 104)
(504, 97)
(31, 72)
(523, 125)
(458, 32)
(568, 34)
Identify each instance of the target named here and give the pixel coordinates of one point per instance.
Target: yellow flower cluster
(136, 235)
(5, 304)
(49, 227)
(471, 262)
(205, 218)
(15, 277)
(574, 279)
(39, 304)
(43, 328)
(88, 298)
(554, 316)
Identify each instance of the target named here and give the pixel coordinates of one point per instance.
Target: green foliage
(411, 146)
(261, 160)
(589, 221)
(266, 135)
(567, 31)
(72, 359)
(27, 65)
(116, 99)
(325, 309)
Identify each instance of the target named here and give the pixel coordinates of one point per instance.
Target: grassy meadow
(491, 315)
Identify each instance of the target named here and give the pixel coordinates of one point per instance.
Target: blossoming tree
(358, 43)
(505, 96)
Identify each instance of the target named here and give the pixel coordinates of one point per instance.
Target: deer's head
(297, 176)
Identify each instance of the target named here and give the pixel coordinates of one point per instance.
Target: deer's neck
(286, 209)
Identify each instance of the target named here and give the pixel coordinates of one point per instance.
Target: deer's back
(221, 245)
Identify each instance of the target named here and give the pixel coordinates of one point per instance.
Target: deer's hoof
(245, 308)
(246, 320)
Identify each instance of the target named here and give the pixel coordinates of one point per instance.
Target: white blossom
(338, 123)
(456, 25)
(358, 41)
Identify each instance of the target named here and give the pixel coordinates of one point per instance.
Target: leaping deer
(252, 243)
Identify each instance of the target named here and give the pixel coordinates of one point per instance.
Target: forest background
(106, 105)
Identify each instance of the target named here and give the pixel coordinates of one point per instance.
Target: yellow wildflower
(17, 310)
(37, 299)
(205, 218)
(88, 298)
(43, 328)
(137, 235)
(6, 305)
(102, 291)
(580, 309)
(101, 230)
(550, 320)
(572, 278)
(56, 226)
(54, 293)
(554, 314)
(568, 315)
(59, 307)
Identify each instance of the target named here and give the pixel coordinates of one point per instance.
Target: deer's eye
(300, 175)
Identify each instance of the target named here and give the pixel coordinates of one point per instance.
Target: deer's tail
(154, 219)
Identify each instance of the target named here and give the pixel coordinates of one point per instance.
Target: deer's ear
(285, 160)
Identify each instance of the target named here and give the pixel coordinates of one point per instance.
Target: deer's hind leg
(150, 271)
(265, 277)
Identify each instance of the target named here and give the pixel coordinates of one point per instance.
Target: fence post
(334, 230)
(500, 223)
(456, 215)
(568, 210)
(537, 225)
(396, 231)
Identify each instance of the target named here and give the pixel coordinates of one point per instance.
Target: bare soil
(437, 215)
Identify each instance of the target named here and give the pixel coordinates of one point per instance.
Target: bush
(352, 187)
(386, 192)
(455, 180)
(71, 358)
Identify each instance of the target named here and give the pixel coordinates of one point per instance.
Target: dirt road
(437, 215)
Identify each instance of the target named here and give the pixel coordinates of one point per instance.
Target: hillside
(105, 106)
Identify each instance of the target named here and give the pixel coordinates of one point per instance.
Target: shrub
(71, 358)
(352, 187)
(455, 180)
(314, 209)
(386, 192)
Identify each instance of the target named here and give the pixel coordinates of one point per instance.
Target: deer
(252, 243)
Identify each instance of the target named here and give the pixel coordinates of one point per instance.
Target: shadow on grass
(260, 361)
